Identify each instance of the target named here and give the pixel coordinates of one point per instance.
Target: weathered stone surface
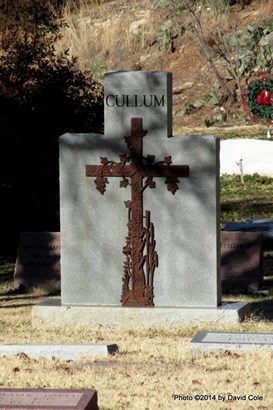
(137, 26)
(182, 87)
(241, 260)
(266, 41)
(38, 258)
(49, 399)
(212, 341)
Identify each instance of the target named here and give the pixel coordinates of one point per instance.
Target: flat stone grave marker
(38, 258)
(213, 341)
(48, 399)
(241, 260)
(59, 351)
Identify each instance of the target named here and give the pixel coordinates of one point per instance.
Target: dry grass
(152, 365)
(240, 131)
(99, 34)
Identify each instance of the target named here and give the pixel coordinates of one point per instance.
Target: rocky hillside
(156, 35)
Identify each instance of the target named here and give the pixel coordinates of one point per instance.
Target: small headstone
(241, 260)
(49, 399)
(213, 341)
(38, 258)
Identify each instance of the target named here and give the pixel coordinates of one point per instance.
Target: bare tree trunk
(198, 31)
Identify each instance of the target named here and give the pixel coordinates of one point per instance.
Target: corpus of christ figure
(138, 172)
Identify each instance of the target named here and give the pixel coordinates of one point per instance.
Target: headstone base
(51, 312)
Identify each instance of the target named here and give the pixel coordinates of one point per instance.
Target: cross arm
(167, 171)
(113, 170)
(117, 170)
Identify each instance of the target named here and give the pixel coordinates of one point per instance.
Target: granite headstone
(38, 258)
(241, 260)
(94, 227)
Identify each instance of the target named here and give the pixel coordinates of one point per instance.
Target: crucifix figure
(138, 172)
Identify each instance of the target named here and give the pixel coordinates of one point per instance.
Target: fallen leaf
(24, 357)
(16, 370)
(196, 382)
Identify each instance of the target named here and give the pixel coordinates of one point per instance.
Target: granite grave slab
(38, 258)
(59, 351)
(213, 341)
(241, 260)
(48, 399)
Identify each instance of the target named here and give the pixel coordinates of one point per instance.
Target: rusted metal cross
(141, 257)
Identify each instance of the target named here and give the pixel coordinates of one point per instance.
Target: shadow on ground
(263, 309)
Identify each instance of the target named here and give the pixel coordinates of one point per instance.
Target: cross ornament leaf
(172, 184)
(101, 182)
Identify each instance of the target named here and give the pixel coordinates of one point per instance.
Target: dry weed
(100, 35)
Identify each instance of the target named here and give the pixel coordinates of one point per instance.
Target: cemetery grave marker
(38, 258)
(241, 260)
(59, 351)
(98, 227)
(213, 341)
(48, 399)
(188, 283)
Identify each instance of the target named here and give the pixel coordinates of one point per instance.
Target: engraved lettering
(145, 97)
(159, 103)
(138, 101)
(107, 101)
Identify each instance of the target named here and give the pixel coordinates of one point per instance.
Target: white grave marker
(213, 341)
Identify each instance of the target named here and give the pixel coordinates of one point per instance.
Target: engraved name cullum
(126, 100)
